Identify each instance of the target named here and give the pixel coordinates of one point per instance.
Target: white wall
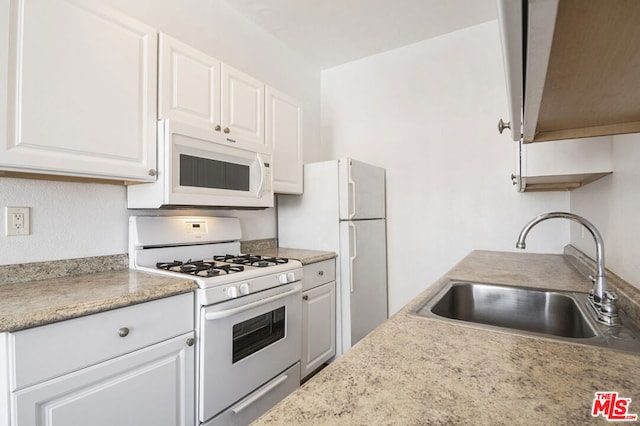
(77, 220)
(427, 112)
(68, 220)
(612, 204)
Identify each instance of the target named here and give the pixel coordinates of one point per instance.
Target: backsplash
(256, 245)
(23, 272)
(628, 295)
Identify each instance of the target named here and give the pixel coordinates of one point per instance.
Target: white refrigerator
(343, 209)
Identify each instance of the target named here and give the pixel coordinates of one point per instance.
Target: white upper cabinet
(572, 67)
(198, 89)
(284, 134)
(243, 108)
(571, 83)
(81, 91)
(189, 88)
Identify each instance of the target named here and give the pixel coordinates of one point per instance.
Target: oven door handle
(210, 316)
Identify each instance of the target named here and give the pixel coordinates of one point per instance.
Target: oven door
(246, 342)
(204, 169)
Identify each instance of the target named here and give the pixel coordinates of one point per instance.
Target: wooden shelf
(591, 84)
(559, 182)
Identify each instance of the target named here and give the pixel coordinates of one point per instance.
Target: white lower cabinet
(132, 366)
(318, 316)
(152, 386)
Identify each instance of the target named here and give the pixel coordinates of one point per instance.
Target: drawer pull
(123, 332)
(259, 394)
(190, 341)
(305, 297)
(321, 273)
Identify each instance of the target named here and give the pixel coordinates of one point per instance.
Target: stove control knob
(291, 277)
(232, 292)
(244, 288)
(282, 279)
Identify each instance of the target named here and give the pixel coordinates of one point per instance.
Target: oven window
(207, 173)
(258, 332)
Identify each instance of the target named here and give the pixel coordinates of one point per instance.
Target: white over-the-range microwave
(200, 167)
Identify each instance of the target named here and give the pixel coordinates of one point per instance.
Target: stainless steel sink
(556, 314)
(524, 309)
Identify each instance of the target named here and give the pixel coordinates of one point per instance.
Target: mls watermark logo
(612, 407)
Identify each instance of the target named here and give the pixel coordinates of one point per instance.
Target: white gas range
(248, 312)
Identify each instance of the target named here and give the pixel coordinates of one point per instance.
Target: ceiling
(332, 32)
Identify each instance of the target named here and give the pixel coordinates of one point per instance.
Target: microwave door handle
(210, 316)
(262, 172)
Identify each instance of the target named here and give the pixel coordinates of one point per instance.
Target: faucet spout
(599, 294)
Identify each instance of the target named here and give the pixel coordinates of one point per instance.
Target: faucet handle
(610, 296)
(592, 279)
(608, 307)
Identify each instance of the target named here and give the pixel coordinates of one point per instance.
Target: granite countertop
(34, 303)
(304, 256)
(414, 371)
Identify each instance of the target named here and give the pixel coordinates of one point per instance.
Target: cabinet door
(243, 110)
(318, 327)
(153, 386)
(284, 135)
(189, 84)
(82, 91)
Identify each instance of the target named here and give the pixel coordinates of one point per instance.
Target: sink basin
(556, 314)
(524, 309)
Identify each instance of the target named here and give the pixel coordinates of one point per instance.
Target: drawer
(49, 351)
(315, 274)
(260, 401)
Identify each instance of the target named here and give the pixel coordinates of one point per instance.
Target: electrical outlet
(17, 221)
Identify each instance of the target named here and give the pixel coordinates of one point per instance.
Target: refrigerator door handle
(355, 254)
(352, 184)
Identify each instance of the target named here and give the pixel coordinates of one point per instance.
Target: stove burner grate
(251, 260)
(200, 268)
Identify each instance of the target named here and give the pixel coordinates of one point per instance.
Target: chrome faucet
(601, 299)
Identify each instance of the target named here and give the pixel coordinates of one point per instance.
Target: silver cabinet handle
(217, 128)
(190, 341)
(152, 172)
(502, 125)
(305, 297)
(226, 130)
(123, 332)
(321, 273)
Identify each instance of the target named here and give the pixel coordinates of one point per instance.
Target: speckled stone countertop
(418, 371)
(304, 256)
(34, 303)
